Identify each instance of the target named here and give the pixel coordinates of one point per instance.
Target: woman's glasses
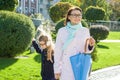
(76, 15)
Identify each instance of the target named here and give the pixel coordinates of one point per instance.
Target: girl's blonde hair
(50, 46)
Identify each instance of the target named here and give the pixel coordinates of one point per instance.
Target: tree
(16, 33)
(9, 5)
(99, 32)
(59, 11)
(94, 13)
(115, 5)
(100, 3)
(74, 2)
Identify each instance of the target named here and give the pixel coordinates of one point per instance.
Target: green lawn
(23, 68)
(114, 35)
(108, 55)
(28, 66)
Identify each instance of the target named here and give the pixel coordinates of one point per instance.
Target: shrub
(61, 24)
(16, 32)
(94, 13)
(59, 10)
(95, 54)
(118, 19)
(84, 23)
(9, 5)
(99, 32)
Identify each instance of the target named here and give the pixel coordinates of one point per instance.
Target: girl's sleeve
(58, 53)
(37, 48)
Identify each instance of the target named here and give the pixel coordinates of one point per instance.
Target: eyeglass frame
(76, 15)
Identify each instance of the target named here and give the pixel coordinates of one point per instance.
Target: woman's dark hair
(69, 13)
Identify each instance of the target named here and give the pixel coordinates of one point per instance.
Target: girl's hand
(57, 76)
(33, 39)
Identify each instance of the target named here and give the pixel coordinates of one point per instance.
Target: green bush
(84, 23)
(99, 32)
(61, 24)
(95, 54)
(16, 32)
(53, 34)
(59, 10)
(9, 5)
(118, 19)
(94, 13)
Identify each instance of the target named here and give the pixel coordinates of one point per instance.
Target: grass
(22, 68)
(108, 55)
(114, 35)
(28, 66)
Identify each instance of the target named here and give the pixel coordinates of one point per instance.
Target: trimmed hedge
(99, 32)
(16, 33)
(59, 11)
(118, 19)
(94, 13)
(9, 5)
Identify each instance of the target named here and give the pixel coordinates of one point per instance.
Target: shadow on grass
(6, 62)
(102, 46)
(37, 58)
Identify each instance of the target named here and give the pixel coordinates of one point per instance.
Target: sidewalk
(109, 40)
(111, 73)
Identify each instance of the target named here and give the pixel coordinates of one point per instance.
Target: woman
(46, 51)
(71, 40)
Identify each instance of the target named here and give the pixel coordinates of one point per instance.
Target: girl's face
(42, 44)
(75, 17)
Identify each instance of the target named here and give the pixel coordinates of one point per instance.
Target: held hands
(57, 76)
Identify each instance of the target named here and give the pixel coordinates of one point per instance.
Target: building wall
(29, 7)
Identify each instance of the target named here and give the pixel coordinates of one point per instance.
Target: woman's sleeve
(58, 53)
(35, 45)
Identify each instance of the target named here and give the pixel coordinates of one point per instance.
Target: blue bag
(81, 64)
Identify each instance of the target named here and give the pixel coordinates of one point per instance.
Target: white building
(29, 7)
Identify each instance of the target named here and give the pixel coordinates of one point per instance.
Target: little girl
(45, 48)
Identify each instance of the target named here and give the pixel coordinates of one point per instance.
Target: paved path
(111, 73)
(110, 41)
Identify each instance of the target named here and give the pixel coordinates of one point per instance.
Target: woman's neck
(74, 23)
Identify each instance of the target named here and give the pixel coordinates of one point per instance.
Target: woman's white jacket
(62, 63)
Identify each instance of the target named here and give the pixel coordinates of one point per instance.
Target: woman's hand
(57, 76)
(91, 41)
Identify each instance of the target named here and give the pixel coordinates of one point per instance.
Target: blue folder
(81, 64)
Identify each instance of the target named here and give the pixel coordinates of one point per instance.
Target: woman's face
(42, 44)
(75, 17)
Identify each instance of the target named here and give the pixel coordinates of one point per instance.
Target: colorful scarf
(72, 29)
